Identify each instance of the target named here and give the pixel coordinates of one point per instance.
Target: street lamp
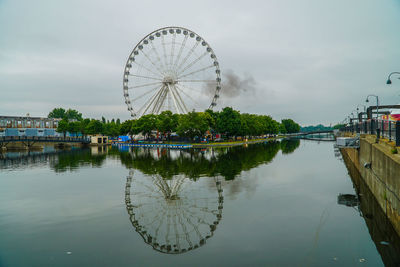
(390, 81)
(365, 107)
(377, 104)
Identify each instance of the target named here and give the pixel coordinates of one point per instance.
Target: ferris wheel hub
(169, 80)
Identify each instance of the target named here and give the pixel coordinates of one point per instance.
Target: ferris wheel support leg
(176, 99)
(180, 98)
(159, 101)
(173, 99)
(152, 100)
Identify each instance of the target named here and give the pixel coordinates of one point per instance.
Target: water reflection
(382, 232)
(225, 162)
(173, 215)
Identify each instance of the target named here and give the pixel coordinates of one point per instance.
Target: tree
(72, 114)
(193, 124)
(167, 122)
(228, 122)
(83, 125)
(62, 127)
(57, 113)
(60, 113)
(74, 127)
(146, 124)
(282, 128)
(291, 126)
(94, 127)
(126, 127)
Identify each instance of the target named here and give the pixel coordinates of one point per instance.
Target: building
(28, 126)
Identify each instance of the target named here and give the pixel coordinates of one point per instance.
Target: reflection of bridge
(29, 141)
(310, 133)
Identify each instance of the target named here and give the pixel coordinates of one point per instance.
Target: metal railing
(381, 128)
(4, 139)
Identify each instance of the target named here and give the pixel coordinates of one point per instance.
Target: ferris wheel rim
(161, 32)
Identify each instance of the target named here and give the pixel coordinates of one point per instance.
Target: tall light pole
(389, 81)
(377, 104)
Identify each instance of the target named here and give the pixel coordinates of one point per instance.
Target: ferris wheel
(176, 215)
(174, 69)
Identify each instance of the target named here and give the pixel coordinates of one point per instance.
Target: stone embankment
(379, 166)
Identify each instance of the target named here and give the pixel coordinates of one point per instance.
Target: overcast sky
(311, 60)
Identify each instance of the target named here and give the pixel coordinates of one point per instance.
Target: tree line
(228, 122)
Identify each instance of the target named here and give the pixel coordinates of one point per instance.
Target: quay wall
(380, 170)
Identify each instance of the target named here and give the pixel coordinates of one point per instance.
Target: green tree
(57, 113)
(167, 123)
(83, 125)
(146, 124)
(72, 114)
(126, 127)
(193, 124)
(291, 126)
(94, 127)
(62, 127)
(74, 127)
(228, 122)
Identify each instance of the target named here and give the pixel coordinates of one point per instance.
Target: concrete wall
(379, 226)
(382, 178)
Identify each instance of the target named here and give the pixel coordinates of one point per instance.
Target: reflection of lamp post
(390, 81)
(377, 104)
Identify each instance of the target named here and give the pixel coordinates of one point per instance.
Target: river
(288, 203)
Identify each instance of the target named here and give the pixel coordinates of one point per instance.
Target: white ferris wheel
(174, 69)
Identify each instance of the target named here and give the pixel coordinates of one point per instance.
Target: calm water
(274, 204)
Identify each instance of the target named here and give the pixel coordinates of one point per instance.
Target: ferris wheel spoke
(146, 77)
(196, 229)
(172, 48)
(184, 228)
(157, 55)
(152, 63)
(146, 93)
(180, 51)
(197, 81)
(146, 68)
(194, 90)
(188, 96)
(188, 55)
(196, 71)
(164, 49)
(193, 62)
(143, 85)
(176, 233)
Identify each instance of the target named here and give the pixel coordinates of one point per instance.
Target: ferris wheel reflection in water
(173, 215)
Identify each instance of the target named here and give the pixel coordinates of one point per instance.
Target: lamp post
(377, 104)
(358, 107)
(358, 113)
(389, 81)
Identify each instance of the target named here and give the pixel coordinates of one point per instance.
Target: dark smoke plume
(232, 85)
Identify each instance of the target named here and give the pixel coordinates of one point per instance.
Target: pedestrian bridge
(31, 140)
